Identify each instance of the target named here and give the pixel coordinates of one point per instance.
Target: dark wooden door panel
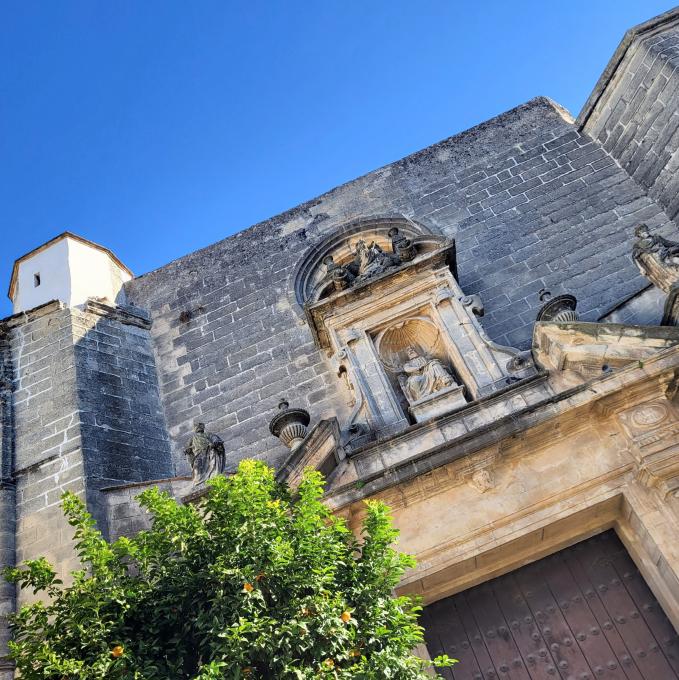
(584, 613)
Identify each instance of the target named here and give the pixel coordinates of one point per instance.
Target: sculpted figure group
(664, 250)
(369, 261)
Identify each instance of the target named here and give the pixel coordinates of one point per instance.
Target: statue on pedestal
(424, 376)
(206, 454)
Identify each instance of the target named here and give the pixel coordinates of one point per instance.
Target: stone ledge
(21, 318)
(134, 485)
(126, 315)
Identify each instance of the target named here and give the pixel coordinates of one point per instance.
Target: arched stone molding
(310, 282)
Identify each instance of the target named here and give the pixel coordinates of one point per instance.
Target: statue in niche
(206, 455)
(423, 376)
(664, 250)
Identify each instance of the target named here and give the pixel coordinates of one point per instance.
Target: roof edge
(66, 234)
(631, 35)
(289, 213)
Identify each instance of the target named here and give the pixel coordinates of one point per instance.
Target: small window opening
(36, 280)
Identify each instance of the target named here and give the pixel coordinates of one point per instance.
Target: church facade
(483, 334)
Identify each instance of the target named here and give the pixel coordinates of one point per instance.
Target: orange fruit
(117, 651)
(346, 617)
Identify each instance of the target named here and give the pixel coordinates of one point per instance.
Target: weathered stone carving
(206, 454)
(658, 260)
(474, 303)
(417, 304)
(560, 308)
(519, 362)
(371, 260)
(656, 257)
(423, 376)
(290, 424)
(340, 276)
(368, 262)
(402, 246)
(482, 481)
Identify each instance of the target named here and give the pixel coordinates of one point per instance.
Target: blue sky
(158, 127)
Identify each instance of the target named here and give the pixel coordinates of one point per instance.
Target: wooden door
(583, 613)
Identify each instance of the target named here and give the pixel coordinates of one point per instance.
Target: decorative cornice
(528, 422)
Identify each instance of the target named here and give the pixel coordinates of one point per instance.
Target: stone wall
(634, 110)
(86, 414)
(125, 517)
(124, 437)
(47, 444)
(7, 500)
(531, 201)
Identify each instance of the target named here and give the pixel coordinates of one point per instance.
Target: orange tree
(253, 582)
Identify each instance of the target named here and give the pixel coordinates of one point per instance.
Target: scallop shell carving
(420, 333)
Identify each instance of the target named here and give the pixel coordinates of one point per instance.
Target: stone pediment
(586, 350)
(394, 239)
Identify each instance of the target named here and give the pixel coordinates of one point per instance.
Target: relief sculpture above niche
(382, 298)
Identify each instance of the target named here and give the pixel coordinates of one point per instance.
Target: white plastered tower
(68, 268)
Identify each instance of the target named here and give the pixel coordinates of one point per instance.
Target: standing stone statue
(206, 454)
(424, 376)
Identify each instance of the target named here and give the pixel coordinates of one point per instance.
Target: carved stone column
(384, 412)
(474, 360)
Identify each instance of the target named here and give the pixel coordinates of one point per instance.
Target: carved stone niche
(402, 334)
(419, 367)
